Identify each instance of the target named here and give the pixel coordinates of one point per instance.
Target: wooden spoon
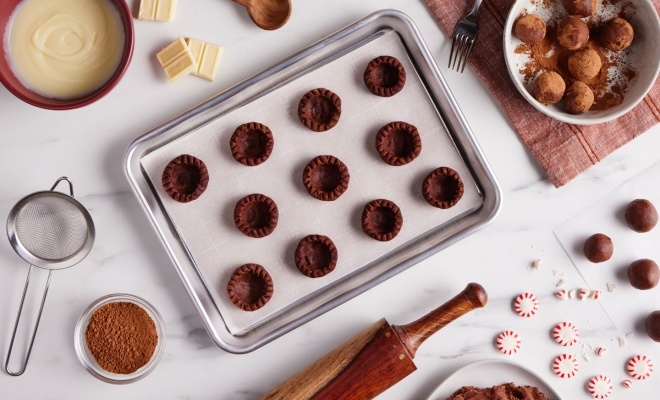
(268, 14)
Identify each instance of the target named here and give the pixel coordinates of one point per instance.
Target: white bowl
(643, 55)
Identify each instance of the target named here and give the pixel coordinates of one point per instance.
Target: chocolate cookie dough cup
(316, 256)
(398, 143)
(319, 109)
(185, 178)
(256, 215)
(326, 178)
(443, 188)
(250, 287)
(385, 76)
(382, 220)
(251, 144)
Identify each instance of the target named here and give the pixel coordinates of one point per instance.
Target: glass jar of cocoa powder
(134, 331)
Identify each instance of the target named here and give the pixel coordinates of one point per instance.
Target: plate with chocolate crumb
(583, 62)
(494, 379)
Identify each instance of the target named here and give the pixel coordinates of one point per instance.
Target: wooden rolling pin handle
(415, 333)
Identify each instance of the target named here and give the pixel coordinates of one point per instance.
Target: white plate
(644, 54)
(488, 373)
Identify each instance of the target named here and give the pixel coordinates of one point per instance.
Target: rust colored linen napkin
(562, 150)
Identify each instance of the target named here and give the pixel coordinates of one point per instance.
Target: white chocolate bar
(157, 10)
(177, 60)
(147, 10)
(207, 56)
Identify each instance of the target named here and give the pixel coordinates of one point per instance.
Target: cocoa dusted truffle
(641, 215)
(316, 256)
(617, 34)
(398, 143)
(644, 274)
(385, 76)
(582, 8)
(185, 178)
(598, 248)
(250, 287)
(584, 64)
(549, 87)
(382, 220)
(572, 33)
(319, 109)
(578, 98)
(443, 188)
(530, 29)
(326, 178)
(256, 215)
(653, 326)
(251, 144)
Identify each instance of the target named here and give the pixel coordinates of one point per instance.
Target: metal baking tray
(318, 54)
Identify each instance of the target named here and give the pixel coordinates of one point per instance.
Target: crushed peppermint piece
(537, 265)
(622, 342)
(611, 287)
(561, 282)
(629, 335)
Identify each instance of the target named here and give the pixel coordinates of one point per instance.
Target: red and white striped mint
(640, 367)
(566, 334)
(601, 351)
(595, 295)
(527, 305)
(508, 342)
(627, 383)
(600, 387)
(565, 366)
(561, 294)
(583, 293)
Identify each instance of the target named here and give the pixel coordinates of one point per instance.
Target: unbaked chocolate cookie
(443, 188)
(185, 178)
(598, 248)
(316, 256)
(319, 109)
(251, 144)
(256, 215)
(641, 215)
(382, 220)
(385, 76)
(398, 143)
(326, 178)
(250, 287)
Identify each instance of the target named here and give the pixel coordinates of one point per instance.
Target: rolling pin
(375, 359)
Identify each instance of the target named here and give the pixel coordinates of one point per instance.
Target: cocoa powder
(122, 337)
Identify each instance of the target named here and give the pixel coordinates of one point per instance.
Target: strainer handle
(36, 325)
(60, 179)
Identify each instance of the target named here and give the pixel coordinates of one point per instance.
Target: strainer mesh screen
(51, 228)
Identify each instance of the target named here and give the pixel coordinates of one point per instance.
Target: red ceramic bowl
(12, 83)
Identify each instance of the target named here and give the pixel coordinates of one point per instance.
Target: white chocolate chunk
(157, 10)
(207, 56)
(177, 61)
(147, 10)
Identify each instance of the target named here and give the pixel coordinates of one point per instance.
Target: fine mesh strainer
(49, 230)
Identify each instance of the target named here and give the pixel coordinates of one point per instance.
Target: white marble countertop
(38, 146)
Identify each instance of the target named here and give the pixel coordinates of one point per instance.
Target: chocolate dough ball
(584, 64)
(644, 274)
(549, 87)
(578, 98)
(617, 34)
(598, 248)
(572, 33)
(583, 8)
(653, 326)
(530, 29)
(641, 216)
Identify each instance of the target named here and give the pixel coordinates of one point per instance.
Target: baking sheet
(206, 225)
(626, 306)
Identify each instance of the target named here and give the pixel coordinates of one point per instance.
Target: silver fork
(463, 39)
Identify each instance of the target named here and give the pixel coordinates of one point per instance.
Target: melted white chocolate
(65, 49)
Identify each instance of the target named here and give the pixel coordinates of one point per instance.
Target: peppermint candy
(527, 305)
(565, 366)
(583, 293)
(600, 387)
(601, 351)
(627, 383)
(595, 295)
(561, 294)
(571, 294)
(566, 334)
(508, 342)
(640, 367)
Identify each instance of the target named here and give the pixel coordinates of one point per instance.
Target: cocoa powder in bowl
(121, 337)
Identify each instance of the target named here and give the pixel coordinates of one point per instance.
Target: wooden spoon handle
(415, 333)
